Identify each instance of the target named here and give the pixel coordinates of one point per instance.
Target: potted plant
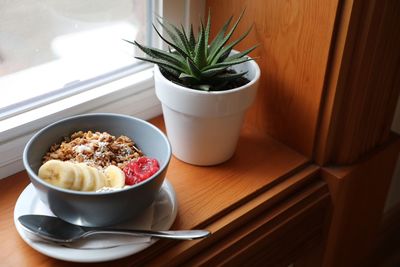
(205, 88)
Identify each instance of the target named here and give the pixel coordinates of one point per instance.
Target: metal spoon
(56, 230)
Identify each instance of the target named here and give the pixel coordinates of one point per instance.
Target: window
(52, 49)
(68, 58)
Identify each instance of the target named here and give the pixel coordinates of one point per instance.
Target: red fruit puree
(140, 169)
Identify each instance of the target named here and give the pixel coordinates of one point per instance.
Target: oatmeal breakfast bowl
(97, 169)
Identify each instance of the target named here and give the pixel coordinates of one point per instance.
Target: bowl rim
(33, 175)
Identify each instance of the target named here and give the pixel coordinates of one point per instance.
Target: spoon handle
(179, 234)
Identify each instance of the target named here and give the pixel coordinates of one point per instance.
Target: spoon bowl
(56, 230)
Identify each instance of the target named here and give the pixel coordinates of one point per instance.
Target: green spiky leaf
(194, 70)
(173, 45)
(194, 62)
(162, 63)
(229, 76)
(207, 33)
(171, 34)
(169, 71)
(188, 78)
(217, 42)
(225, 51)
(192, 39)
(200, 50)
(241, 54)
(225, 39)
(214, 71)
(158, 53)
(228, 63)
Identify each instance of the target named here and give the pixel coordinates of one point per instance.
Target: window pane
(49, 44)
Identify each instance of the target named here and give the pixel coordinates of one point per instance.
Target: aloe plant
(195, 62)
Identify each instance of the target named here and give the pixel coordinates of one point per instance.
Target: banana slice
(115, 177)
(78, 179)
(88, 180)
(58, 173)
(99, 178)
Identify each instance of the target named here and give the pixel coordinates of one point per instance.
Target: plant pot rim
(252, 63)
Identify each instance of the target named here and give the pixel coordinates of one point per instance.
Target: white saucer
(28, 203)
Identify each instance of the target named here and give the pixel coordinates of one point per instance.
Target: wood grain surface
(358, 194)
(294, 38)
(204, 194)
(363, 82)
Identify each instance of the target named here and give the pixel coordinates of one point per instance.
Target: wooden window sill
(223, 199)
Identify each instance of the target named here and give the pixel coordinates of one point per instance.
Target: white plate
(28, 203)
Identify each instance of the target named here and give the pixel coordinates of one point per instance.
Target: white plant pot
(203, 127)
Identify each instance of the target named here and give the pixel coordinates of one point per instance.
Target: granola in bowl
(96, 161)
(96, 149)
